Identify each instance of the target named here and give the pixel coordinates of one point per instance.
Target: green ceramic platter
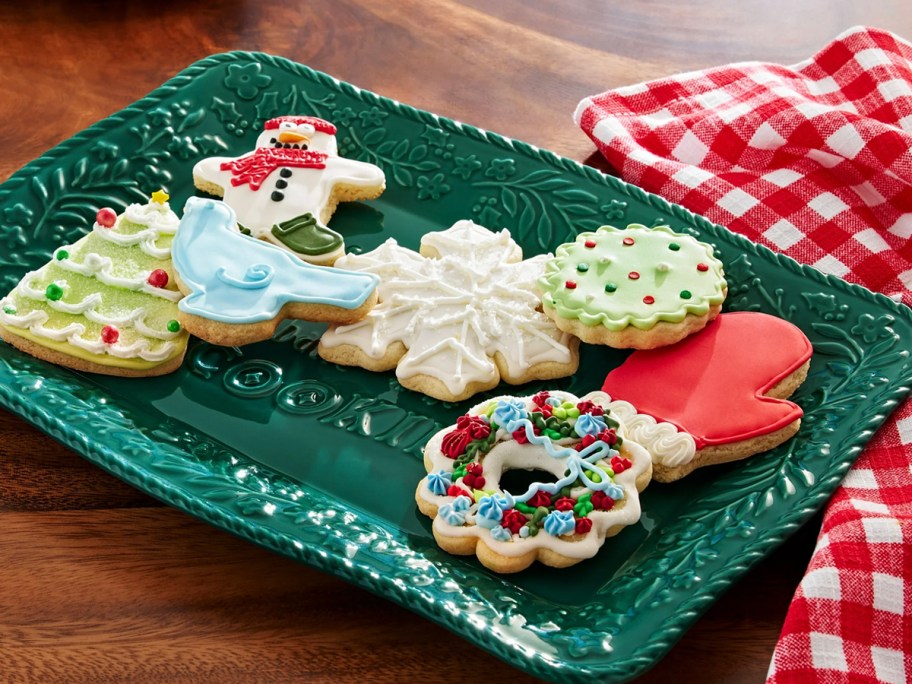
(320, 463)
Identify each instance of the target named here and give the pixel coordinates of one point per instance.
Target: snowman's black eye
(272, 140)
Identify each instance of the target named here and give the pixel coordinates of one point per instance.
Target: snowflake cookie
(455, 319)
(636, 287)
(591, 479)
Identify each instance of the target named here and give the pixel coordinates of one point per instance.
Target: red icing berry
(590, 408)
(601, 501)
(570, 285)
(633, 275)
(619, 464)
(513, 520)
(649, 299)
(474, 469)
(588, 440)
(589, 243)
(629, 241)
(109, 334)
(106, 217)
(608, 436)
(565, 503)
(539, 399)
(455, 490)
(520, 436)
(702, 267)
(158, 278)
(583, 525)
(540, 499)
(474, 481)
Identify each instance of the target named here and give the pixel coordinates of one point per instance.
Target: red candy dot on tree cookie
(589, 243)
(629, 241)
(633, 275)
(570, 285)
(702, 267)
(649, 299)
(158, 278)
(109, 334)
(106, 217)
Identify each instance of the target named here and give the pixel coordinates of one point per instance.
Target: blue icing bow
(234, 278)
(439, 482)
(559, 522)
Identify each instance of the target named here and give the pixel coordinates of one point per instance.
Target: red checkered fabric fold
(815, 161)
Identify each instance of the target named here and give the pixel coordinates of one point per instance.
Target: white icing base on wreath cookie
(456, 519)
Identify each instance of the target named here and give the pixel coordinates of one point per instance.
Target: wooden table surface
(98, 582)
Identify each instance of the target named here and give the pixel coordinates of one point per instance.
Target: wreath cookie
(639, 287)
(594, 493)
(720, 394)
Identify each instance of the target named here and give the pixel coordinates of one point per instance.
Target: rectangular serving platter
(320, 463)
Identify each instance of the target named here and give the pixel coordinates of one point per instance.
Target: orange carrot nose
(292, 137)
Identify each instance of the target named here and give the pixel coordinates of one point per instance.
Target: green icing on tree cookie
(95, 300)
(635, 276)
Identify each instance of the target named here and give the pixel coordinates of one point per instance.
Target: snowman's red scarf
(254, 168)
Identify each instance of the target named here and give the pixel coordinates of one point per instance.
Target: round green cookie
(637, 287)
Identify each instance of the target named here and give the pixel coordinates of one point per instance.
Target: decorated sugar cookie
(724, 387)
(107, 303)
(639, 287)
(593, 492)
(455, 319)
(239, 288)
(286, 190)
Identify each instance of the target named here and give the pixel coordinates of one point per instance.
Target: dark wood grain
(99, 582)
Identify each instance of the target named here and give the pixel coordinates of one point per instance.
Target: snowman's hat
(320, 125)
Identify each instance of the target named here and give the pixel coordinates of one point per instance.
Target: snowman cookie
(593, 491)
(286, 190)
(639, 287)
(716, 396)
(107, 303)
(239, 288)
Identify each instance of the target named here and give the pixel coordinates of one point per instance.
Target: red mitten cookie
(725, 386)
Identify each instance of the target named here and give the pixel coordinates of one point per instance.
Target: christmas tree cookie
(639, 287)
(107, 303)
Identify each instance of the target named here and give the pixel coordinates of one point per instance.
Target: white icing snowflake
(465, 310)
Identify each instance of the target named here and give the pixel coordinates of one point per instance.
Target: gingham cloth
(815, 161)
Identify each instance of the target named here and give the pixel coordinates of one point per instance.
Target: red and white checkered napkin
(815, 161)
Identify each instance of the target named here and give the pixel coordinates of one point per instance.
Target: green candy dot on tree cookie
(174, 326)
(610, 287)
(674, 246)
(9, 310)
(62, 254)
(686, 294)
(53, 292)
(582, 268)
